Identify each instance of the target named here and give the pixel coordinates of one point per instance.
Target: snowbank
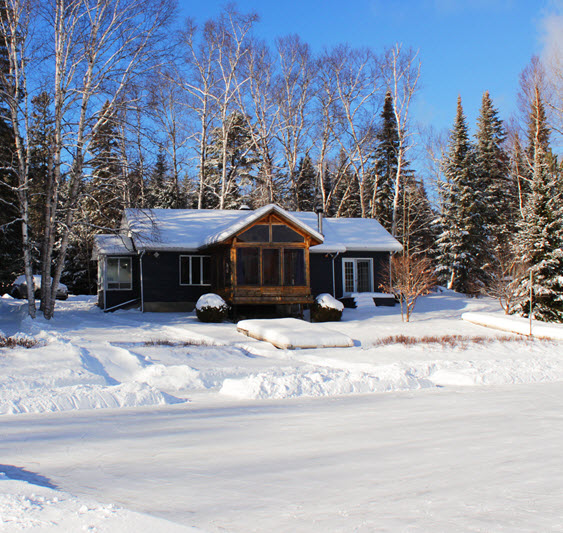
(516, 324)
(291, 334)
(43, 400)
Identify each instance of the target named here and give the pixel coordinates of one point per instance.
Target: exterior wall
(116, 297)
(161, 283)
(321, 270)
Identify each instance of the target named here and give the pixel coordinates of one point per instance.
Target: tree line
(105, 105)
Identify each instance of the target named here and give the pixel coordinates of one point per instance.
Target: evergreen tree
(384, 172)
(40, 167)
(346, 194)
(541, 229)
(415, 225)
(305, 185)
(497, 202)
(106, 189)
(161, 189)
(459, 244)
(241, 162)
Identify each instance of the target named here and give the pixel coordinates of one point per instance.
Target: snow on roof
(112, 245)
(193, 229)
(257, 214)
(351, 235)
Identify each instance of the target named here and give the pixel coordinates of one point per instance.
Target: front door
(357, 275)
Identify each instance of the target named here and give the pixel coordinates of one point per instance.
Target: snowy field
(122, 420)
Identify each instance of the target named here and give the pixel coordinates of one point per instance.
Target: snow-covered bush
(326, 308)
(211, 308)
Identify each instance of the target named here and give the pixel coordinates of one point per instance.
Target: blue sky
(466, 47)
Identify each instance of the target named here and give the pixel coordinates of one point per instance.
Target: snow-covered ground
(207, 427)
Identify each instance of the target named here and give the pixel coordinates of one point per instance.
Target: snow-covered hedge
(211, 308)
(326, 308)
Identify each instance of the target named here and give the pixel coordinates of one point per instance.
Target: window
(271, 271)
(118, 274)
(248, 266)
(293, 267)
(263, 266)
(285, 234)
(195, 270)
(258, 233)
(357, 275)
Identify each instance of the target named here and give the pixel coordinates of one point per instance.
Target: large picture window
(118, 274)
(195, 270)
(263, 266)
(357, 275)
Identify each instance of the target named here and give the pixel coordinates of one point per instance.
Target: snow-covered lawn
(218, 430)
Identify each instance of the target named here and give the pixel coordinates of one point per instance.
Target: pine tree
(305, 184)
(416, 222)
(459, 244)
(497, 202)
(346, 200)
(106, 188)
(241, 162)
(161, 189)
(40, 167)
(384, 172)
(541, 229)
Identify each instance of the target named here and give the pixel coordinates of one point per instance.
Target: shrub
(325, 308)
(211, 308)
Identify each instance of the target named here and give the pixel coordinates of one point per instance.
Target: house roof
(112, 245)
(194, 229)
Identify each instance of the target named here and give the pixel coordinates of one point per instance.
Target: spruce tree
(459, 244)
(305, 185)
(384, 172)
(541, 229)
(106, 188)
(496, 199)
(161, 189)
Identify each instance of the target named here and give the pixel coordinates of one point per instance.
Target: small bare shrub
(449, 341)
(190, 342)
(21, 341)
(408, 277)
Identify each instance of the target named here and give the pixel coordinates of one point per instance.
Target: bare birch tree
(261, 116)
(294, 92)
(231, 35)
(99, 48)
(15, 27)
(357, 87)
(401, 72)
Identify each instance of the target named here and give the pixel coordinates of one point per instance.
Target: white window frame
(105, 273)
(354, 261)
(190, 284)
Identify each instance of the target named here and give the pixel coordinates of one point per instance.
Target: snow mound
(328, 301)
(292, 383)
(291, 333)
(43, 400)
(515, 324)
(210, 300)
(173, 377)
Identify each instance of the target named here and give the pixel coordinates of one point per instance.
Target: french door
(357, 275)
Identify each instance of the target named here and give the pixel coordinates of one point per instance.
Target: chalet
(165, 259)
